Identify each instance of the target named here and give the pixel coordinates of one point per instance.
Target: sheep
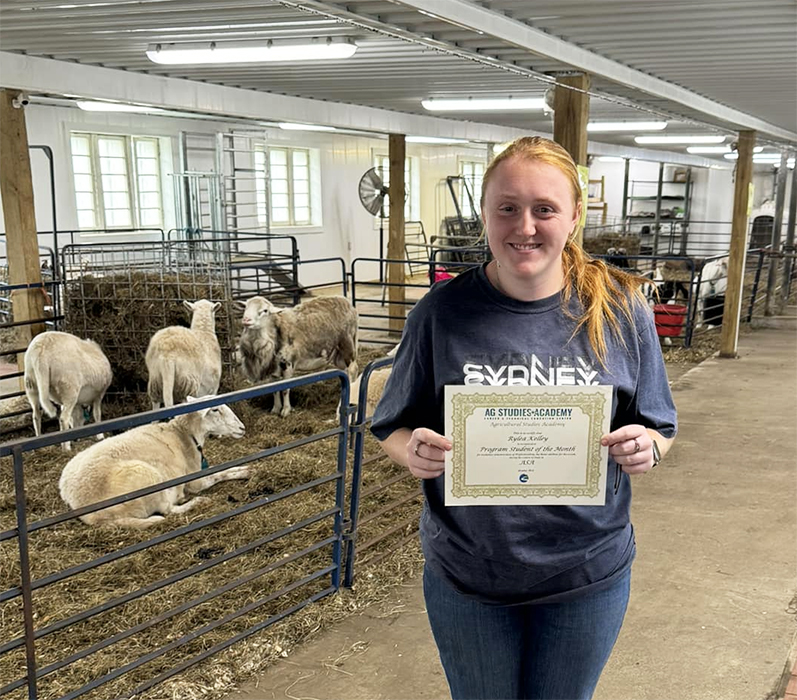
(713, 282)
(145, 456)
(618, 257)
(275, 342)
(376, 386)
(182, 361)
(62, 369)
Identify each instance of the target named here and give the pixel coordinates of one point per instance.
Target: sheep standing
(276, 343)
(182, 361)
(145, 456)
(62, 369)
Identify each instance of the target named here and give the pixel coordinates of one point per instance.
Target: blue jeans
(550, 651)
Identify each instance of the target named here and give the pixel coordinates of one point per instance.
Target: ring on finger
(417, 446)
(636, 446)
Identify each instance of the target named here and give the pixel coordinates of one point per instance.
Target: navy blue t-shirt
(466, 332)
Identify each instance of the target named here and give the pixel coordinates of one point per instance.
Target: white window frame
(291, 185)
(132, 177)
(473, 172)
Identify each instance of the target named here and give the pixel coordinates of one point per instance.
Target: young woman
(527, 601)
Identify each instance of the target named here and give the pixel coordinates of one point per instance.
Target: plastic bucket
(669, 319)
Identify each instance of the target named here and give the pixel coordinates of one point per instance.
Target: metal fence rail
(35, 632)
(368, 295)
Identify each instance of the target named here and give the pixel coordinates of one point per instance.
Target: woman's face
(529, 213)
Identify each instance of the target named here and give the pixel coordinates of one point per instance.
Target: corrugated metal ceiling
(734, 52)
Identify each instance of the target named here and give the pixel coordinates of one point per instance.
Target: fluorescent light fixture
(248, 52)
(679, 139)
(773, 158)
(709, 150)
(716, 150)
(434, 139)
(600, 127)
(610, 159)
(471, 104)
(290, 126)
(92, 106)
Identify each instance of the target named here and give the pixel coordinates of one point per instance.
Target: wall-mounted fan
(372, 191)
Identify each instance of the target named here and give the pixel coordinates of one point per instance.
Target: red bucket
(669, 319)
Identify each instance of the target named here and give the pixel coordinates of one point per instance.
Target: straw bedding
(72, 543)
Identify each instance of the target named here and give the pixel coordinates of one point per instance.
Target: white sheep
(62, 369)
(276, 343)
(145, 456)
(376, 386)
(182, 361)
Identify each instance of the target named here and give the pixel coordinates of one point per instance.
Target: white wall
(348, 230)
(613, 186)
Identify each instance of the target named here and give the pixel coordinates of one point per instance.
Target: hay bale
(121, 312)
(675, 271)
(9, 340)
(9, 422)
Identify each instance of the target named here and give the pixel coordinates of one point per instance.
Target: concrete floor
(712, 612)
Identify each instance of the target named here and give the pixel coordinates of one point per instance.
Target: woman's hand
(631, 447)
(426, 453)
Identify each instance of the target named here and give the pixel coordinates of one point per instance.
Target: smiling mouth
(525, 246)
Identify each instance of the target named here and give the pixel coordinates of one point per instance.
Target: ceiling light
(707, 150)
(91, 106)
(248, 52)
(610, 159)
(758, 157)
(716, 150)
(482, 105)
(679, 139)
(433, 139)
(291, 126)
(599, 127)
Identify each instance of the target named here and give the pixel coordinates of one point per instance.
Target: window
(472, 172)
(411, 185)
(117, 181)
(290, 186)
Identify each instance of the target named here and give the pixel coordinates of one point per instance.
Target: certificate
(526, 445)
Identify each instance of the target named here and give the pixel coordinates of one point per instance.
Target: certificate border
(591, 404)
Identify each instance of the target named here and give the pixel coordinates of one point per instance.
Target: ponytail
(604, 291)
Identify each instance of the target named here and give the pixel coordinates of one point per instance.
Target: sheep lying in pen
(145, 456)
(276, 343)
(182, 361)
(62, 369)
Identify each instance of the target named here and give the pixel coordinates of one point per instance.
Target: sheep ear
(216, 306)
(188, 305)
(239, 304)
(190, 399)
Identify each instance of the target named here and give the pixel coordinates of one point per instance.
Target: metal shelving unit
(670, 198)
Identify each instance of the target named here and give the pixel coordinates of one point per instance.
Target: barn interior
(166, 150)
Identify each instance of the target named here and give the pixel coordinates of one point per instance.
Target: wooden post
(773, 305)
(788, 246)
(733, 293)
(570, 116)
(395, 243)
(16, 189)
